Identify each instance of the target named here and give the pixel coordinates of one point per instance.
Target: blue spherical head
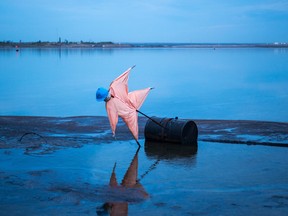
(101, 94)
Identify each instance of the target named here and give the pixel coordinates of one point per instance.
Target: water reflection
(170, 151)
(130, 190)
(65, 52)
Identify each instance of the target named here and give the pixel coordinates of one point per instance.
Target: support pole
(138, 143)
(151, 119)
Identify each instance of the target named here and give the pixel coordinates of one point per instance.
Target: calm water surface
(250, 84)
(218, 179)
(215, 180)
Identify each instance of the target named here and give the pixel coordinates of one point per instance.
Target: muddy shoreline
(70, 166)
(52, 133)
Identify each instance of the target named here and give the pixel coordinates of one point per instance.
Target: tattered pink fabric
(125, 104)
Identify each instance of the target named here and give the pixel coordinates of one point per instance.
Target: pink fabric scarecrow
(125, 104)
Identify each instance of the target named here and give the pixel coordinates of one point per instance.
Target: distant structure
(59, 41)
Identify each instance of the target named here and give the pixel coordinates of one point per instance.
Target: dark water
(250, 84)
(215, 180)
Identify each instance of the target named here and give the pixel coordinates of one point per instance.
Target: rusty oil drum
(172, 130)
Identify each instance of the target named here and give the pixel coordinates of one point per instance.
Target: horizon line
(111, 42)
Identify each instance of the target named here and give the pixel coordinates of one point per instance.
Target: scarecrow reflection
(130, 190)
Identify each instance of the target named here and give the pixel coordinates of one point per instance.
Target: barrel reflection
(169, 151)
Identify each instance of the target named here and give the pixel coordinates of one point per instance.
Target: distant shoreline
(111, 45)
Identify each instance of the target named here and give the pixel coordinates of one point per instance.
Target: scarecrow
(120, 102)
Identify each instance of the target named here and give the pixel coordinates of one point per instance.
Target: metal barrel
(172, 130)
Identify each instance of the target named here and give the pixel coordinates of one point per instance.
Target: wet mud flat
(73, 166)
(56, 132)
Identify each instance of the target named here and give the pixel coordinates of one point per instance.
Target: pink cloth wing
(112, 113)
(138, 97)
(119, 87)
(125, 104)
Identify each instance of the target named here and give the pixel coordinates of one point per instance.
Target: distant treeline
(40, 44)
(82, 44)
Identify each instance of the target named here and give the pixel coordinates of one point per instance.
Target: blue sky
(195, 21)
